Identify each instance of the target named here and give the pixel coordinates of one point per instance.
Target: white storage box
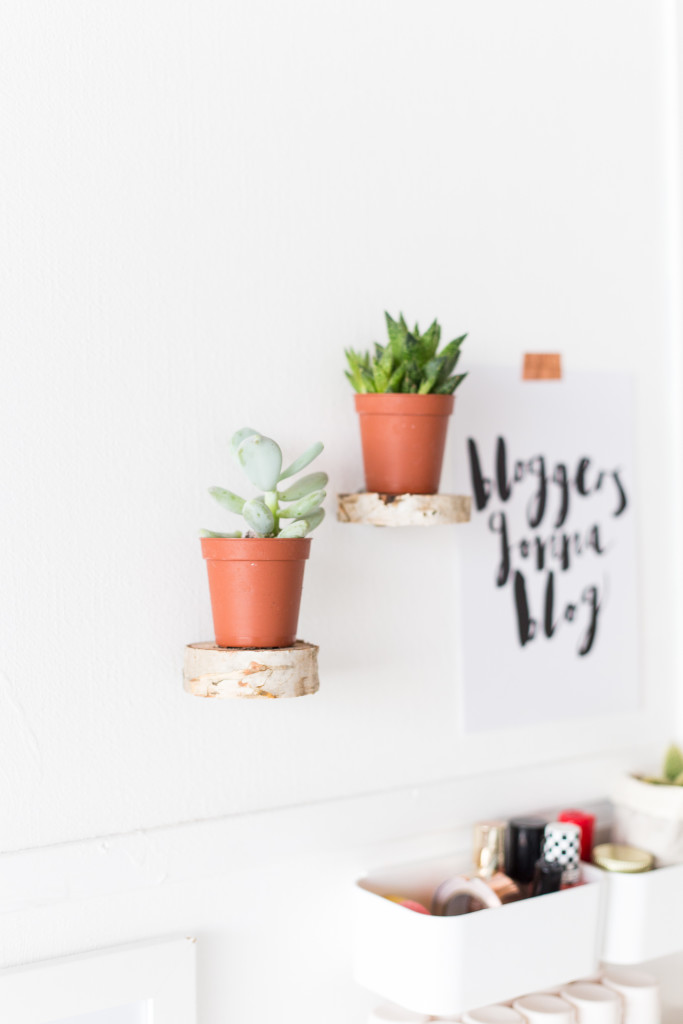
(444, 965)
(643, 915)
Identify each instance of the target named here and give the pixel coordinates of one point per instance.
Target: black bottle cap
(547, 877)
(525, 847)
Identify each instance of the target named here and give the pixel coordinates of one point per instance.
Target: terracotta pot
(255, 586)
(403, 439)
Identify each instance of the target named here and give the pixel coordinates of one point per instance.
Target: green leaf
(431, 375)
(261, 459)
(299, 528)
(412, 348)
(210, 533)
(430, 340)
(304, 486)
(397, 335)
(304, 505)
(368, 382)
(357, 362)
(396, 379)
(259, 517)
(314, 519)
(673, 763)
(449, 386)
(450, 355)
(381, 369)
(227, 499)
(238, 437)
(304, 460)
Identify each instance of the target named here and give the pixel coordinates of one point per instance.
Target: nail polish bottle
(586, 823)
(562, 844)
(489, 860)
(525, 838)
(547, 877)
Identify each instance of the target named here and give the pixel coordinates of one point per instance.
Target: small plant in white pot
(648, 810)
(256, 575)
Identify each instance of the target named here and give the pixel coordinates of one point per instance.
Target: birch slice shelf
(253, 673)
(375, 509)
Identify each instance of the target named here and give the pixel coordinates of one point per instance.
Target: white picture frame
(160, 974)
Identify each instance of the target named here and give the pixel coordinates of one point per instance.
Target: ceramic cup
(639, 991)
(543, 1008)
(594, 1003)
(492, 1015)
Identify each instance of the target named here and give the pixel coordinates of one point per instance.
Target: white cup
(640, 992)
(543, 1008)
(388, 1013)
(594, 1004)
(492, 1015)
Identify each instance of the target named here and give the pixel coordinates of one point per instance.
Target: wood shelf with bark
(373, 509)
(253, 673)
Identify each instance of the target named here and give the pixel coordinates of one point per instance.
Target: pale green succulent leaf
(304, 505)
(299, 528)
(314, 519)
(227, 499)
(304, 460)
(261, 459)
(259, 517)
(238, 437)
(673, 763)
(304, 486)
(212, 533)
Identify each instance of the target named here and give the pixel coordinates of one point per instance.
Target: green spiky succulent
(409, 364)
(672, 769)
(299, 504)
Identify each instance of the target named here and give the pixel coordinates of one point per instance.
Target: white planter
(643, 915)
(444, 965)
(650, 817)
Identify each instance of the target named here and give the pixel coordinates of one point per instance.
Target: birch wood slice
(403, 509)
(251, 673)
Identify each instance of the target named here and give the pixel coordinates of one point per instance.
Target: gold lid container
(489, 845)
(627, 859)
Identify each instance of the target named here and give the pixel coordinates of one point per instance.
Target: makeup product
(542, 1008)
(627, 859)
(586, 823)
(460, 895)
(594, 1003)
(408, 904)
(387, 1013)
(489, 847)
(639, 991)
(562, 844)
(524, 847)
(493, 1015)
(547, 877)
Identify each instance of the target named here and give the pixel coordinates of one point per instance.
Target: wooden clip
(542, 366)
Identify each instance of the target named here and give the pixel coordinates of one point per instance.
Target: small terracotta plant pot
(255, 586)
(403, 438)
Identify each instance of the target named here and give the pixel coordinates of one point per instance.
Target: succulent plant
(299, 503)
(409, 363)
(672, 769)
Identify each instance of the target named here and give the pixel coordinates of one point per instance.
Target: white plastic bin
(444, 965)
(643, 915)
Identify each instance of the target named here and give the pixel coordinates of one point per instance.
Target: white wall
(202, 204)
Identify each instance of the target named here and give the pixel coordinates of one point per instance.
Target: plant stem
(271, 500)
